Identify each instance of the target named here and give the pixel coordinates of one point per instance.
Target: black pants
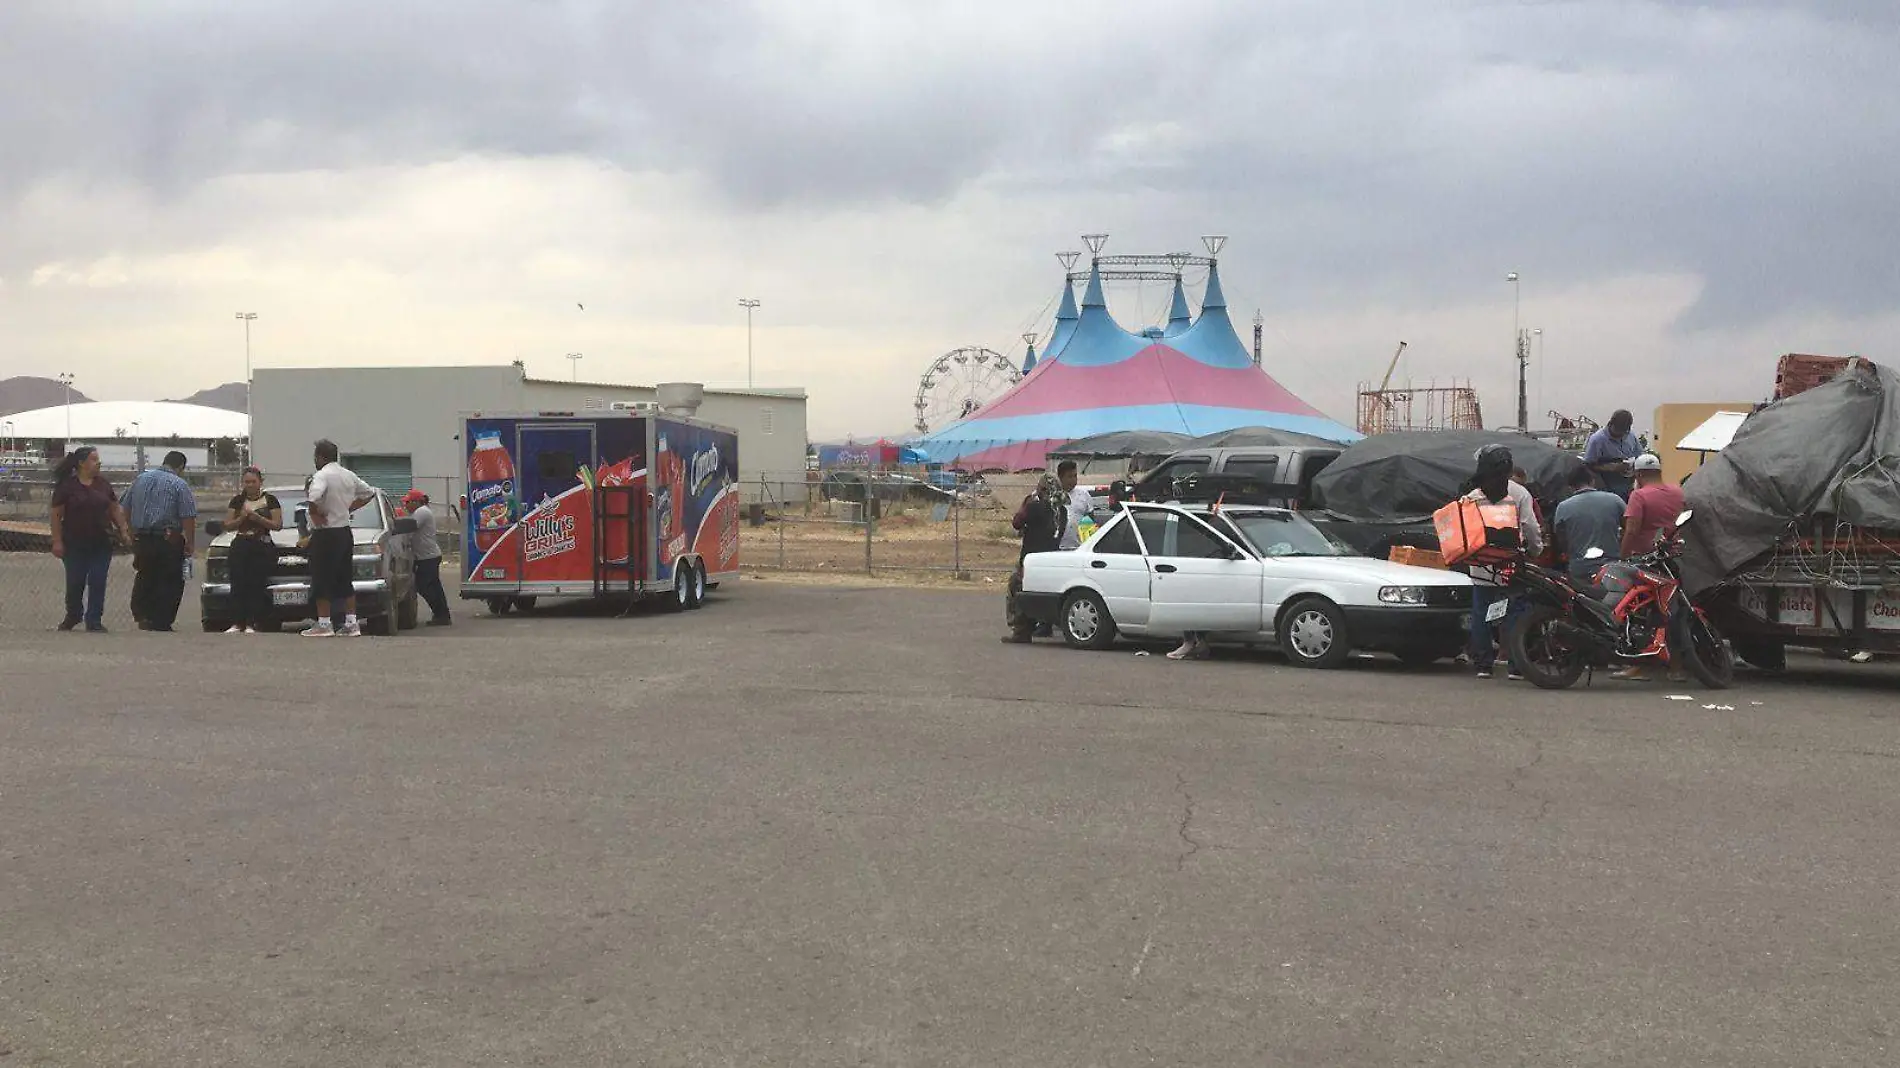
(429, 587)
(252, 561)
(160, 585)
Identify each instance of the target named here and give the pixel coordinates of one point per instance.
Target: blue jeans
(86, 567)
(1484, 645)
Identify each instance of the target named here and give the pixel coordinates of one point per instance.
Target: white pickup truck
(1251, 575)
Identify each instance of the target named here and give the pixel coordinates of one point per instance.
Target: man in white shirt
(334, 493)
(1080, 502)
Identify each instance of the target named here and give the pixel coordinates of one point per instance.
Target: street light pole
(574, 366)
(66, 377)
(748, 304)
(249, 429)
(138, 447)
(1522, 351)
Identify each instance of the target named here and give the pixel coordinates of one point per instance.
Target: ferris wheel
(959, 382)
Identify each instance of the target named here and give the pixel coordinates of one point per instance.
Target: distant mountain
(229, 396)
(25, 394)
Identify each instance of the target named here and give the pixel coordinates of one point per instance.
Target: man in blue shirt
(163, 515)
(1610, 452)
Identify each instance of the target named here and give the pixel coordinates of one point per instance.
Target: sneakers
(235, 629)
(250, 630)
(69, 623)
(1482, 673)
(440, 621)
(350, 630)
(95, 628)
(320, 629)
(1514, 675)
(1015, 639)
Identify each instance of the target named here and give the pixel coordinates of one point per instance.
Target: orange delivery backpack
(1477, 532)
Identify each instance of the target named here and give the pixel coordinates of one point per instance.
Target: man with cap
(163, 514)
(1610, 451)
(1653, 507)
(428, 557)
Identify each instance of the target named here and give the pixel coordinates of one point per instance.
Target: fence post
(869, 524)
(781, 536)
(956, 534)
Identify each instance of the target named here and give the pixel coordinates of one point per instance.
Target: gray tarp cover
(1833, 450)
(1255, 436)
(1124, 443)
(1411, 474)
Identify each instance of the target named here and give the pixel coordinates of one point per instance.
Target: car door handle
(1165, 568)
(1098, 563)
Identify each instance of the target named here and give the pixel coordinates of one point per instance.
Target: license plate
(1496, 611)
(287, 596)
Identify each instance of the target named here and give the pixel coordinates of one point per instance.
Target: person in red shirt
(1653, 508)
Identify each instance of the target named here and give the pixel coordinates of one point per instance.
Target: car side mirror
(405, 525)
(215, 527)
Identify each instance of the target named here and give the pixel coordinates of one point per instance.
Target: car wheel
(499, 606)
(698, 587)
(1086, 623)
(1313, 634)
(524, 604)
(406, 613)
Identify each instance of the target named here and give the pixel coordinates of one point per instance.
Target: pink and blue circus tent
(1193, 377)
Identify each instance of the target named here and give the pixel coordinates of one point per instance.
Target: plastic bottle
(491, 489)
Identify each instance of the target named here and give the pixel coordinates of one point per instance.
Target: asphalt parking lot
(823, 825)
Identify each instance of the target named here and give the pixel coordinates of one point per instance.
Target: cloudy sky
(1687, 189)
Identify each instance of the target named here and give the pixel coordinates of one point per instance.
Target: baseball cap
(413, 496)
(1647, 462)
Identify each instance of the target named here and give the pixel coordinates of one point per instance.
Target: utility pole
(1259, 325)
(748, 304)
(574, 367)
(66, 377)
(1523, 366)
(1523, 350)
(246, 318)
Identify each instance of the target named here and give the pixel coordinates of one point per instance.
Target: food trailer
(625, 503)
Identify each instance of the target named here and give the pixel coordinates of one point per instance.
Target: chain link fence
(844, 522)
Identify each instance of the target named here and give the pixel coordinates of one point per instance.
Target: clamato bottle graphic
(491, 486)
(669, 488)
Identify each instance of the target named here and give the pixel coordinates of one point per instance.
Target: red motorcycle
(1637, 613)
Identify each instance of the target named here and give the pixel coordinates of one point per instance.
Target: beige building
(401, 426)
(1674, 422)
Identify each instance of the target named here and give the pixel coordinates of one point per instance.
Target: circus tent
(1192, 377)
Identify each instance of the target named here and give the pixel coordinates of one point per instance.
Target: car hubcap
(1084, 622)
(1311, 634)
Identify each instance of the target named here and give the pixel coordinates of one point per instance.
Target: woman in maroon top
(86, 514)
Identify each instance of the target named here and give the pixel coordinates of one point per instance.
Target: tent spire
(1179, 318)
(1094, 298)
(1214, 297)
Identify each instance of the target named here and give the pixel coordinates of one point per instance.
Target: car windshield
(368, 517)
(1285, 534)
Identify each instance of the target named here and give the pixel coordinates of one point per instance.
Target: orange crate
(1406, 554)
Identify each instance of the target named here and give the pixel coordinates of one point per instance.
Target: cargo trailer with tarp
(1796, 538)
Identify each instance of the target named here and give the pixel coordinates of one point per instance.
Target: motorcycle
(1637, 613)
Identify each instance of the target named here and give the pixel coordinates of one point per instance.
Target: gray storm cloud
(1748, 142)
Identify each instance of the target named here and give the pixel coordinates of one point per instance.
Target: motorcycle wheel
(1695, 642)
(1537, 650)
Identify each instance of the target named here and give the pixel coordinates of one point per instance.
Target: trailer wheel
(682, 587)
(698, 586)
(499, 606)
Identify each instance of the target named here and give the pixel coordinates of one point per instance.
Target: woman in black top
(252, 516)
(86, 514)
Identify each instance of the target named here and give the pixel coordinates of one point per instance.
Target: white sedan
(1244, 574)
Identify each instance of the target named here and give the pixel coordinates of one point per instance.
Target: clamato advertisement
(563, 505)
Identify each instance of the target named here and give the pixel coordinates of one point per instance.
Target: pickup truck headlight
(217, 567)
(1402, 594)
(367, 568)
